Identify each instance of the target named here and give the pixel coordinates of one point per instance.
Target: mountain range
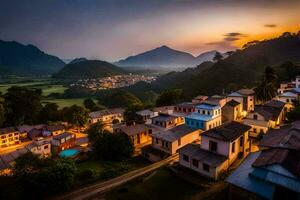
(165, 57)
(19, 59)
(242, 68)
(88, 69)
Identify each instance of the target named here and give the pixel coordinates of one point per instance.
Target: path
(102, 187)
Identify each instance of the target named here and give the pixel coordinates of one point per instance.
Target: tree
(22, 105)
(130, 112)
(49, 113)
(170, 97)
(119, 98)
(76, 115)
(267, 88)
(90, 104)
(294, 115)
(109, 146)
(218, 56)
(43, 175)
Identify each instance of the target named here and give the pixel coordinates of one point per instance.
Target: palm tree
(267, 88)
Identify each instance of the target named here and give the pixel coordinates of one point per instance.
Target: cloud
(270, 25)
(234, 34)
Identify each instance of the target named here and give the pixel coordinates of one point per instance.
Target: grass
(159, 185)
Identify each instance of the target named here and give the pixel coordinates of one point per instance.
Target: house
(164, 109)
(139, 134)
(167, 142)
(199, 99)
(35, 133)
(63, 141)
(272, 173)
(55, 129)
(269, 115)
(167, 120)
(147, 115)
(245, 97)
(219, 148)
(205, 117)
(107, 116)
(40, 147)
(172, 139)
(285, 86)
(217, 100)
(289, 98)
(232, 111)
(186, 107)
(9, 137)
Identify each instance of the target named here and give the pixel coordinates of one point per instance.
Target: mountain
(76, 60)
(88, 69)
(19, 59)
(242, 68)
(165, 57)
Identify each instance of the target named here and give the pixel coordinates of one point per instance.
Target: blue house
(205, 117)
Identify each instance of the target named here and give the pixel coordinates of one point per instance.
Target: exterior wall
(212, 173)
(140, 139)
(223, 147)
(204, 125)
(169, 124)
(107, 119)
(9, 139)
(247, 102)
(184, 109)
(232, 113)
(42, 150)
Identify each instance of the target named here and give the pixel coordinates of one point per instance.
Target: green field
(159, 185)
(65, 102)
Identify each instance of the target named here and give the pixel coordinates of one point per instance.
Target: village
(111, 82)
(220, 137)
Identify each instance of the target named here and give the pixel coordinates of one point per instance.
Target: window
(203, 112)
(188, 122)
(192, 122)
(233, 147)
(185, 158)
(195, 163)
(205, 167)
(209, 126)
(156, 141)
(287, 100)
(197, 124)
(208, 112)
(255, 117)
(213, 146)
(179, 142)
(46, 147)
(163, 143)
(254, 130)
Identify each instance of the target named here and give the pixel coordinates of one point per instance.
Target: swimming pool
(69, 153)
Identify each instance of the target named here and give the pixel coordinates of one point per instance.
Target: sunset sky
(114, 29)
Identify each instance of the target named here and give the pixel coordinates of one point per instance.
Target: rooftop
(270, 110)
(135, 129)
(63, 135)
(7, 130)
(227, 132)
(242, 92)
(102, 113)
(164, 118)
(175, 133)
(187, 104)
(198, 116)
(207, 106)
(233, 103)
(195, 152)
(145, 112)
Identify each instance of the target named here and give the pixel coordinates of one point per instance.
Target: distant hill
(19, 59)
(76, 60)
(88, 69)
(165, 57)
(242, 68)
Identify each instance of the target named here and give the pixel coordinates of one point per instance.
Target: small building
(171, 140)
(285, 86)
(206, 116)
(167, 120)
(164, 109)
(289, 98)
(40, 147)
(217, 100)
(186, 107)
(55, 129)
(63, 141)
(107, 116)
(9, 137)
(269, 115)
(147, 115)
(232, 111)
(199, 99)
(139, 135)
(219, 148)
(245, 97)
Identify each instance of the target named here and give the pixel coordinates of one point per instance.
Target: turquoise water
(69, 153)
